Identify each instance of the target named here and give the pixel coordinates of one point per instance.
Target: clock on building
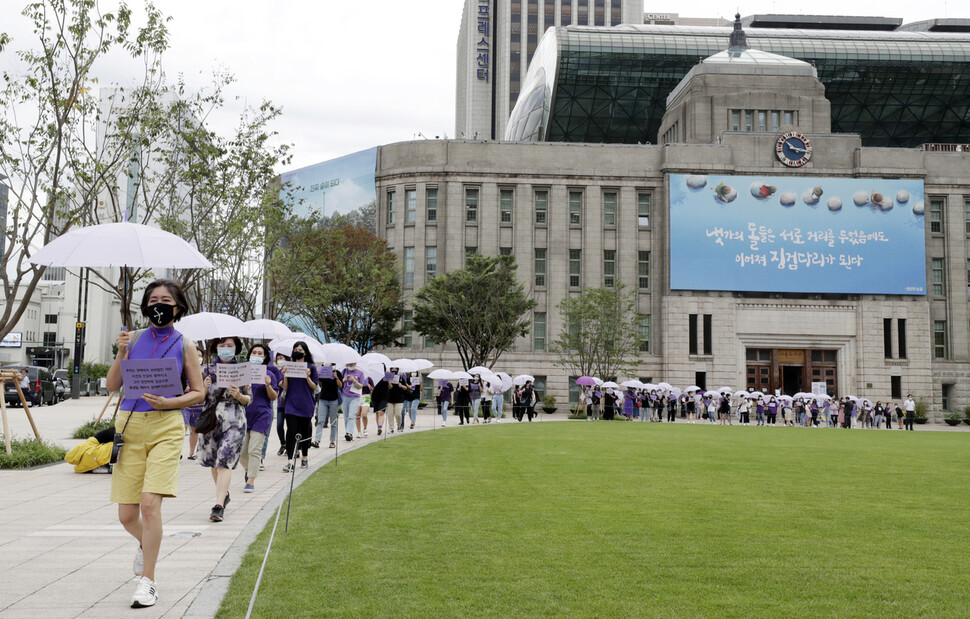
(793, 149)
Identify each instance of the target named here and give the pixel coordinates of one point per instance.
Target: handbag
(208, 420)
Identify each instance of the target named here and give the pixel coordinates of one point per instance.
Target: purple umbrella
(585, 381)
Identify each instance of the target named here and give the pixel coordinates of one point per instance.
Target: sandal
(332, 445)
(281, 451)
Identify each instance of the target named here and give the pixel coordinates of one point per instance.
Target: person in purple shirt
(259, 416)
(772, 411)
(629, 403)
(148, 465)
(300, 406)
(351, 391)
(443, 398)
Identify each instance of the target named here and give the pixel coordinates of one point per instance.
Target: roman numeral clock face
(793, 149)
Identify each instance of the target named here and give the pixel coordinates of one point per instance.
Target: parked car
(62, 384)
(40, 390)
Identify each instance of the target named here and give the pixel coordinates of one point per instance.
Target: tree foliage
(342, 280)
(481, 308)
(599, 334)
(49, 153)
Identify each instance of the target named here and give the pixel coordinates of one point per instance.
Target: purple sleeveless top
(155, 343)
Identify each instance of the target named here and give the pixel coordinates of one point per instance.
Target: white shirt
(909, 405)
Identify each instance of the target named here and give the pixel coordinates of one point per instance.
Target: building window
(428, 342)
(609, 209)
(407, 323)
(775, 114)
(896, 387)
(504, 251)
(645, 333)
(574, 392)
(708, 334)
(937, 277)
(540, 388)
(643, 270)
(901, 325)
(735, 120)
(410, 205)
(50, 338)
(939, 339)
(789, 117)
(58, 274)
(471, 204)
(575, 208)
(966, 207)
(540, 267)
(887, 338)
(431, 204)
(643, 209)
(762, 121)
(390, 208)
(575, 267)
(936, 215)
(609, 267)
(408, 266)
(692, 335)
(946, 397)
(542, 206)
(430, 262)
(748, 120)
(505, 206)
(539, 332)
(50, 319)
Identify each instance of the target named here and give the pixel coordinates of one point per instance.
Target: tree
(481, 308)
(342, 280)
(599, 335)
(53, 163)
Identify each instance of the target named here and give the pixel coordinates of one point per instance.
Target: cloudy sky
(352, 74)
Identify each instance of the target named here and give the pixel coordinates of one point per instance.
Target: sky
(353, 74)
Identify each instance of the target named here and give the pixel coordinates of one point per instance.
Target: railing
(939, 147)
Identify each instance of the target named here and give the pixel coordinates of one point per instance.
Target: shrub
(966, 412)
(94, 370)
(90, 428)
(921, 408)
(30, 452)
(549, 401)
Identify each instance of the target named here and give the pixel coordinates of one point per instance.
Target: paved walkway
(64, 554)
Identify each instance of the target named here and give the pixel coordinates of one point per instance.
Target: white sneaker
(138, 565)
(145, 594)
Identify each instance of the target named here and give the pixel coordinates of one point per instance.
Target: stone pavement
(64, 554)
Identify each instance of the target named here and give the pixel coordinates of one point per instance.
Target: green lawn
(626, 519)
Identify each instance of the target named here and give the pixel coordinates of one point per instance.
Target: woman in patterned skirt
(220, 448)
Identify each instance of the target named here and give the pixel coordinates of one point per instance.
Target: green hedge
(90, 429)
(28, 453)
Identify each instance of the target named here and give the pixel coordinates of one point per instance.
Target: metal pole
(289, 501)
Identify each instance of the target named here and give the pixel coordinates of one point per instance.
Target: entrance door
(792, 379)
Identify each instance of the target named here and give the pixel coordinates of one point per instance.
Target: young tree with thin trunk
(599, 335)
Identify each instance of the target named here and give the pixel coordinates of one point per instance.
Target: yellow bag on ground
(89, 455)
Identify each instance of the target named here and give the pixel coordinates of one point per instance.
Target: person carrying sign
(147, 469)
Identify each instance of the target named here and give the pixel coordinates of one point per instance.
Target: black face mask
(297, 354)
(160, 314)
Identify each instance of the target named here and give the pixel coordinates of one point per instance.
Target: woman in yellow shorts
(148, 466)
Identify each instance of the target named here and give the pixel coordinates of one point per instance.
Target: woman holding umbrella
(219, 450)
(629, 403)
(463, 401)
(152, 426)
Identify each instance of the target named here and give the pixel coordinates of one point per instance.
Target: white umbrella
(120, 244)
(649, 386)
(675, 392)
(375, 357)
(598, 382)
(460, 374)
(285, 345)
(373, 371)
(481, 370)
(404, 365)
(522, 379)
(741, 394)
(266, 329)
(504, 380)
(440, 374)
(340, 354)
(725, 390)
(692, 388)
(635, 384)
(610, 385)
(210, 326)
(422, 364)
(663, 385)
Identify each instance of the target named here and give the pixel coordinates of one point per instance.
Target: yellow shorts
(149, 460)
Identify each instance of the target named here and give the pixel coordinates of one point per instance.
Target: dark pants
(671, 414)
(908, 422)
(302, 426)
(771, 418)
(280, 427)
(486, 409)
(464, 414)
(530, 411)
(745, 418)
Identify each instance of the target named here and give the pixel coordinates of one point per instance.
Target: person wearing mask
(397, 389)
(259, 416)
(463, 401)
(529, 399)
(413, 399)
(147, 469)
(280, 406)
(300, 406)
(629, 403)
(443, 397)
(352, 390)
(498, 400)
(610, 400)
(219, 450)
(878, 414)
(328, 404)
(475, 395)
(190, 416)
(772, 410)
(899, 415)
(487, 394)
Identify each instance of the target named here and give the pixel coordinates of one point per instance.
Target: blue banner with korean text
(797, 234)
